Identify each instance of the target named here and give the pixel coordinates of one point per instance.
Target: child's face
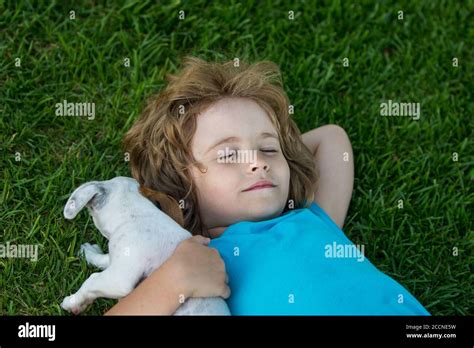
(222, 198)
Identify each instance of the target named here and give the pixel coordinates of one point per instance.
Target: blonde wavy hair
(159, 142)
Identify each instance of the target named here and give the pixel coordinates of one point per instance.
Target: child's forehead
(239, 119)
(246, 117)
(242, 129)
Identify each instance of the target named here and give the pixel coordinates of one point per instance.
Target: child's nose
(259, 163)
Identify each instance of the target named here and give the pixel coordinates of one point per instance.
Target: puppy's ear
(167, 203)
(92, 193)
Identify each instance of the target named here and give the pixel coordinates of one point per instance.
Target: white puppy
(141, 237)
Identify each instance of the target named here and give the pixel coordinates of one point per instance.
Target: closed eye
(234, 152)
(229, 155)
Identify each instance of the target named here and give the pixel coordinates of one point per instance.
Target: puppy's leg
(95, 256)
(114, 282)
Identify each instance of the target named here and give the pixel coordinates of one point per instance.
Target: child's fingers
(226, 292)
(200, 240)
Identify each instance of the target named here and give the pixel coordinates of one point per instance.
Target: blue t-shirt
(301, 263)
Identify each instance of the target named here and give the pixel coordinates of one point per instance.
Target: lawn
(420, 55)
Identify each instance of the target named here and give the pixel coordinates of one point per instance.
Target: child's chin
(263, 211)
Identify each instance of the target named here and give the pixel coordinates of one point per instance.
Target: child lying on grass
(219, 140)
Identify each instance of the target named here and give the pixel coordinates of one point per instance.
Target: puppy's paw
(70, 304)
(87, 250)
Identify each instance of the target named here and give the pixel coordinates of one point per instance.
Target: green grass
(396, 158)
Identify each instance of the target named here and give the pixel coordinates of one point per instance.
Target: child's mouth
(260, 185)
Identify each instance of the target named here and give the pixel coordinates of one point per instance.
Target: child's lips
(265, 184)
(259, 188)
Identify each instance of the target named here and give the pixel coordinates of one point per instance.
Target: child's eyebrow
(237, 139)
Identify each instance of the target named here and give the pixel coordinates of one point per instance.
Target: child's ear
(167, 204)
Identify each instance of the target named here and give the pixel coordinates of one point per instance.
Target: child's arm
(156, 295)
(194, 270)
(334, 160)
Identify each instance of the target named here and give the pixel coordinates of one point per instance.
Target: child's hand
(198, 269)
